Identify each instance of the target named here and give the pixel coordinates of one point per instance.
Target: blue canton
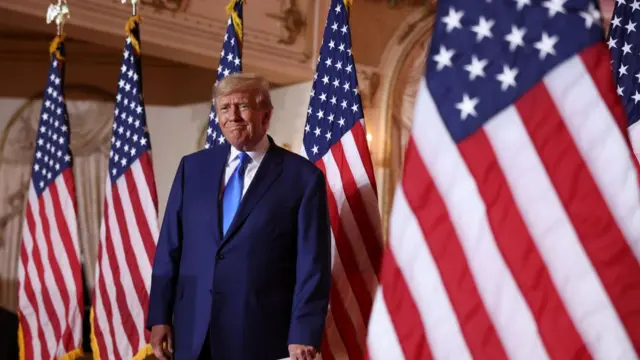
(335, 105)
(130, 137)
(624, 45)
(230, 62)
(485, 54)
(52, 154)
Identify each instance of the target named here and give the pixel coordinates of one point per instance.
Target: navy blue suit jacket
(262, 286)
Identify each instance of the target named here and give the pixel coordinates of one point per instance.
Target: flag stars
(554, 7)
(467, 106)
(590, 16)
(443, 58)
(476, 67)
(631, 26)
(546, 45)
(520, 4)
(483, 28)
(452, 20)
(516, 37)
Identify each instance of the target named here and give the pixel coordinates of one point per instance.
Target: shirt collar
(257, 155)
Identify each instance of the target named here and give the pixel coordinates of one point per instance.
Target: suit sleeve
(313, 267)
(167, 257)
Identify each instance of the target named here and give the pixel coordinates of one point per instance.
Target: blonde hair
(244, 82)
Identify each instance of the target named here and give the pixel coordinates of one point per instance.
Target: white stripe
(382, 341)
(29, 313)
(135, 236)
(634, 135)
(67, 202)
(130, 292)
(600, 142)
(350, 226)
(43, 245)
(147, 201)
(422, 275)
(506, 306)
(367, 193)
(34, 275)
(556, 240)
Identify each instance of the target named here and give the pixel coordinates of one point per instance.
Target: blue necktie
(233, 192)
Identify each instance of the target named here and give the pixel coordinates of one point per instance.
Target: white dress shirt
(256, 158)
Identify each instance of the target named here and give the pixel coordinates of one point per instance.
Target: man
(242, 266)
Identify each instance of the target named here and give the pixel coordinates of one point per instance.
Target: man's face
(242, 122)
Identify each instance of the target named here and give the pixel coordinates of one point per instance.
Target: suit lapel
(214, 173)
(269, 170)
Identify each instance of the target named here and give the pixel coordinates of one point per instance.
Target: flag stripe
(449, 255)
(555, 239)
(505, 304)
(402, 310)
(346, 187)
(600, 237)
(344, 322)
(34, 285)
(598, 139)
(382, 343)
(356, 266)
(45, 277)
(65, 279)
(28, 309)
(596, 60)
(515, 243)
(103, 308)
(119, 270)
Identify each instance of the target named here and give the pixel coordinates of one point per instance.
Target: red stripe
(108, 313)
(31, 297)
(327, 354)
(596, 59)
(403, 311)
(37, 262)
(353, 274)
(146, 163)
(367, 231)
(141, 219)
(67, 242)
(601, 238)
(558, 333)
(27, 338)
(360, 139)
(128, 324)
(433, 217)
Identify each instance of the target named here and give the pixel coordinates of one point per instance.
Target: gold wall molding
(404, 54)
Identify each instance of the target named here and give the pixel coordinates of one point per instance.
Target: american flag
(129, 228)
(50, 275)
(624, 45)
(230, 62)
(514, 229)
(335, 140)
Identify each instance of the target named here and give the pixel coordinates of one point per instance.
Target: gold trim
(400, 45)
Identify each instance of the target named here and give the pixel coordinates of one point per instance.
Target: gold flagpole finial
(60, 13)
(134, 4)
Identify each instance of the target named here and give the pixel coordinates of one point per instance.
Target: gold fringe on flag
(72, 355)
(133, 21)
(20, 338)
(237, 23)
(95, 350)
(347, 4)
(53, 47)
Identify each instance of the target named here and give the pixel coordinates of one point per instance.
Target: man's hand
(159, 335)
(301, 352)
